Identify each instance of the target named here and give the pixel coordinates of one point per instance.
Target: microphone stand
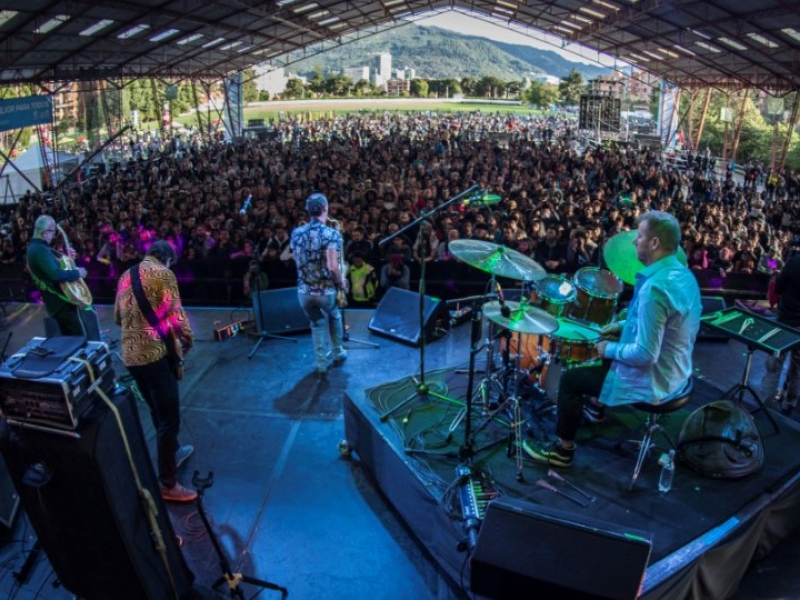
(262, 334)
(346, 334)
(422, 389)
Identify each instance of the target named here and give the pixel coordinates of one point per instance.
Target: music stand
(756, 333)
(263, 334)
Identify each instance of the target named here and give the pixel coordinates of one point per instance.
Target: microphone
(246, 206)
(504, 310)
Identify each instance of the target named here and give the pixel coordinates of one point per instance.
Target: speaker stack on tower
(599, 113)
(529, 551)
(397, 316)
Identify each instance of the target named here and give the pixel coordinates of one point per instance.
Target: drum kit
(554, 327)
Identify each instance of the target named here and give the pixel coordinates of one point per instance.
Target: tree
(570, 88)
(317, 82)
(295, 90)
(541, 95)
(363, 87)
(249, 86)
(513, 89)
(468, 86)
(489, 87)
(419, 88)
(338, 85)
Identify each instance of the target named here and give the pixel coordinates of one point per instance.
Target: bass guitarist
(54, 274)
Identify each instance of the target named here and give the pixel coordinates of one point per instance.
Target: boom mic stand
(201, 484)
(423, 390)
(263, 334)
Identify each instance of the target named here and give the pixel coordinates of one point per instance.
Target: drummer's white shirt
(653, 359)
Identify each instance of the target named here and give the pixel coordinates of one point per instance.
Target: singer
(317, 249)
(652, 361)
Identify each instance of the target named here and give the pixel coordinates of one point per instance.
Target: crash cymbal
(497, 259)
(620, 256)
(524, 319)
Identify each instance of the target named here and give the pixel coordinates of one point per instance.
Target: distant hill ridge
(439, 54)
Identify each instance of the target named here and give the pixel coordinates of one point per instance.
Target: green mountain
(439, 54)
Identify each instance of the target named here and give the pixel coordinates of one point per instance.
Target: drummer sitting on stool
(652, 361)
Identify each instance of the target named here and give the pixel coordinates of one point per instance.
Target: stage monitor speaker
(707, 333)
(81, 498)
(529, 551)
(397, 316)
(278, 311)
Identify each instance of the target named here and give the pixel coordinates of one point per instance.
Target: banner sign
(233, 115)
(668, 114)
(24, 112)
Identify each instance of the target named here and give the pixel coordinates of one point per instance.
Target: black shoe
(554, 455)
(594, 413)
(339, 360)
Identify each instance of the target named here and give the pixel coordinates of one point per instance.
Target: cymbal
(497, 259)
(620, 256)
(529, 319)
(482, 200)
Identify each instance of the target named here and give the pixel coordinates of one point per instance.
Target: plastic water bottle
(667, 462)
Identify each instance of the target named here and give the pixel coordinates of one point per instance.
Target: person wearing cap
(317, 251)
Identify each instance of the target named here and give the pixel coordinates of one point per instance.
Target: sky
(462, 23)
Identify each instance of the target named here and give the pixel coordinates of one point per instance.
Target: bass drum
(533, 350)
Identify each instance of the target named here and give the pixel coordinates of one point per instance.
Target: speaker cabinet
(81, 498)
(278, 311)
(397, 316)
(528, 551)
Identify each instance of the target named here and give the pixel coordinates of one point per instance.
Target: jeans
(73, 320)
(159, 388)
(573, 388)
(772, 377)
(321, 309)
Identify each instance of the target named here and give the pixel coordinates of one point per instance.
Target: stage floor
(290, 509)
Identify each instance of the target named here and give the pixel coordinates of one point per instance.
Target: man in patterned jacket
(317, 252)
(147, 359)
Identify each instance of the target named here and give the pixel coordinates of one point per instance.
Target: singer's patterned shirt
(141, 344)
(310, 245)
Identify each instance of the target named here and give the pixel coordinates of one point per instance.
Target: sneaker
(594, 413)
(339, 360)
(178, 493)
(182, 455)
(554, 455)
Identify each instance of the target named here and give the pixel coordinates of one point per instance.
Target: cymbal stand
(514, 447)
(422, 388)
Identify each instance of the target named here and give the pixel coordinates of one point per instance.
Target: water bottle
(667, 463)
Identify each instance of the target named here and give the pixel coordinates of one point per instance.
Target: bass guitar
(76, 292)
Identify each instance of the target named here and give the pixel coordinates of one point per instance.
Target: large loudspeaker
(278, 311)
(527, 551)
(81, 497)
(397, 316)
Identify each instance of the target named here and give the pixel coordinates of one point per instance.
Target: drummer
(652, 361)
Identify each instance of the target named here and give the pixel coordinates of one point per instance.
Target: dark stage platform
(411, 444)
(289, 508)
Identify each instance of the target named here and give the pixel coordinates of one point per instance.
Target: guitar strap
(147, 311)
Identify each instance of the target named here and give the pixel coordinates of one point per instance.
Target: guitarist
(48, 274)
(148, 308)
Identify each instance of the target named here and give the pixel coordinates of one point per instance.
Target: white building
(381, 68)
(271, 79)
(357, 74)
(405, 73)
(547, 79)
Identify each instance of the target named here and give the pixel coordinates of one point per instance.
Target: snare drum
(554, 294)
(573, 342)
(598, 292)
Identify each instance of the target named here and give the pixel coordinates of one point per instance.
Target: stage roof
(694, 43)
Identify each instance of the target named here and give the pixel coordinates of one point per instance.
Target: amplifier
(48, 384)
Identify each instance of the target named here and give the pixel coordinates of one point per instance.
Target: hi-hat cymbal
(496, 259)
(527, 319)
(620, 256)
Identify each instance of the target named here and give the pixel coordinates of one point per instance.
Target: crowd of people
(560, 199)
